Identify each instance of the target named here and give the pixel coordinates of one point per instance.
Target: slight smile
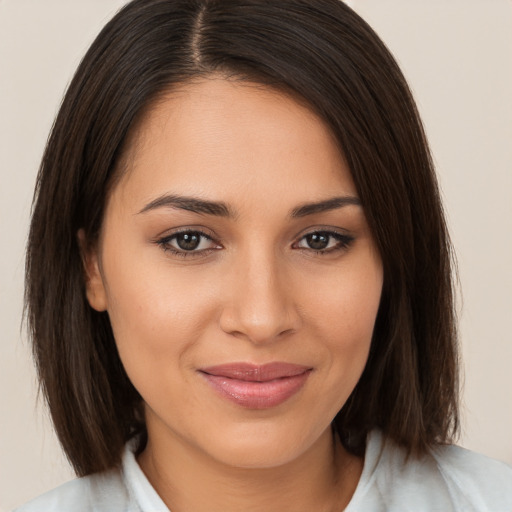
(257, 386)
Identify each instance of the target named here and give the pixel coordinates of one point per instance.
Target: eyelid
(344, 238)
(324, 229)
(163, 241)
(208, 233)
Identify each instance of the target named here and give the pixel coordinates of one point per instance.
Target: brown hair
(327, 55)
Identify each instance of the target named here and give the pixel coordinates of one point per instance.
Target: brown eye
(324, 242)
(318, 241)
(188, 241)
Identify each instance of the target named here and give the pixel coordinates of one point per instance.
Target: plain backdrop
(457, 56)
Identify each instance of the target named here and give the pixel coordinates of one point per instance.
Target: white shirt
(447, 479)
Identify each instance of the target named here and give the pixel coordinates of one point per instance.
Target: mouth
(257, 386)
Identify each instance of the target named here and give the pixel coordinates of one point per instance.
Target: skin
(254, 291)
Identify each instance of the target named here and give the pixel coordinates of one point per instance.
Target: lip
(257, 386)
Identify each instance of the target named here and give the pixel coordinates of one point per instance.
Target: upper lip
(256, 372)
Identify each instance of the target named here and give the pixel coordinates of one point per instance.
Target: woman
(238, 273)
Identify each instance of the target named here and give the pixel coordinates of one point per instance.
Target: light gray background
(457, 55)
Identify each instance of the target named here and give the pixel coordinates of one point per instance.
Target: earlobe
(94, 286)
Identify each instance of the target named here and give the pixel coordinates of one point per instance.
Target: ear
(94, 285)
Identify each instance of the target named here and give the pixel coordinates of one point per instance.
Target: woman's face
(238, 272)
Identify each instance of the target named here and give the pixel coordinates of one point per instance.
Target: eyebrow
(221, 209)
(191, 204)
(324, 206)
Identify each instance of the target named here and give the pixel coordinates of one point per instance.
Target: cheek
(348, 300)
(344, 317)
(156, 314)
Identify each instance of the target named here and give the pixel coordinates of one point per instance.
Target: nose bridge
(260, 306)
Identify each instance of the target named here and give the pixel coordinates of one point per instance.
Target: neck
(323, 478)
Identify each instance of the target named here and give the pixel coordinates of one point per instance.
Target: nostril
(257, 330)
(259, 306)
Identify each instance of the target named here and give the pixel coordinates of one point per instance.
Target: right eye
(188, 243)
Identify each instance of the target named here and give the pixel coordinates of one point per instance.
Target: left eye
(324, 241)
(187, 241)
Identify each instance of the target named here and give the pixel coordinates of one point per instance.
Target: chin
(257, 457)
(262, 447)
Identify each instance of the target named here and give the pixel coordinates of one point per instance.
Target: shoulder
(102, 492)
(487, 482)
(123, 489)
(448, 478)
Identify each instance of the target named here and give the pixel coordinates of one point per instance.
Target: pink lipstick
(257, 386)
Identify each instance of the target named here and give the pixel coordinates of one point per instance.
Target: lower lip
(257, 395)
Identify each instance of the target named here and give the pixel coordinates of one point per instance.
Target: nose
(260, 305)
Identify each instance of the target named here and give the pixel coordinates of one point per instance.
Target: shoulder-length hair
(323, 53)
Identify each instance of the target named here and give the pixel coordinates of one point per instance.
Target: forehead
(218, 137)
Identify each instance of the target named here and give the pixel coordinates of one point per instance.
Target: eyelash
(343, 243)
(165, 242)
